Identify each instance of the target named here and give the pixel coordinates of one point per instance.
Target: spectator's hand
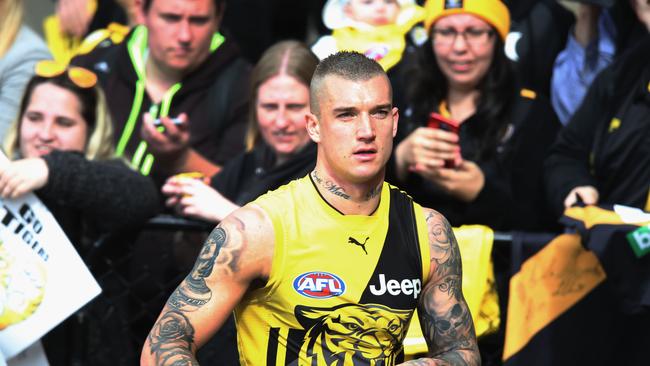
(588, 195)
(193, 197)
(74, 16)
(22, 176)
(427, 149)
(465, 182)
(170, 140)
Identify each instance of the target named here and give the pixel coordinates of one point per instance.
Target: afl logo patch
(319, 285)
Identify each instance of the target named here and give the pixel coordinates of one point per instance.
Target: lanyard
(137, 46)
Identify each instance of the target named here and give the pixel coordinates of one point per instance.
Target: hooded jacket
(215, 133)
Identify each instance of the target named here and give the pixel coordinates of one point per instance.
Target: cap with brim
(493, 12)
(334, 17)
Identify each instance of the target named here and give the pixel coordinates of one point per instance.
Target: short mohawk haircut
(348, 65)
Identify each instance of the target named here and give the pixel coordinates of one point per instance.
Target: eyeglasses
(81, 77)
(473, 37)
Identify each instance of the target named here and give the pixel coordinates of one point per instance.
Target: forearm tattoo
(171, 340)
(445, 318)
(330, 186)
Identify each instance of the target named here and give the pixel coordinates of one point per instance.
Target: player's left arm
(444, 316)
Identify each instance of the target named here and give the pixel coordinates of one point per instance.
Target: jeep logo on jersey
(395, 287)
(319, 285)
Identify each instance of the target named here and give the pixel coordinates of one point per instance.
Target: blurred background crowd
(143, 123)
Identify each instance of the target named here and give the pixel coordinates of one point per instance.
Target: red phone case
(439, 121)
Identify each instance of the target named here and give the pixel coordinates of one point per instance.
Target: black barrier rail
(171, 222)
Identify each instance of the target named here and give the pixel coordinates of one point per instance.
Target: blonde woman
(61, 149)
(20, 49)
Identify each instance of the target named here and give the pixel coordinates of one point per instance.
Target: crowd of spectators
(548, 109)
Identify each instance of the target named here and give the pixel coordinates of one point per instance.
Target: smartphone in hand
(158, 123)
(440, 122)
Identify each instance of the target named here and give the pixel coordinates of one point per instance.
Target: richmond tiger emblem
(351, 334)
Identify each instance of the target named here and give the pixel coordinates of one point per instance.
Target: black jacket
(96, 193)
(607, 142)
(216, 134)
(90, 198)
(252, 174)
(540, 28)
(512, 197)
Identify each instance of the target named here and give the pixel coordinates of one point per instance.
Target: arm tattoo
(419, 362)
(444, 249)
(330, 186)
(445, 318)
(193, 292)
(172, 340)
(228, 261)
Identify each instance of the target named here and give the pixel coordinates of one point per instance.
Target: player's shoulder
(435, 220)
(250, 219)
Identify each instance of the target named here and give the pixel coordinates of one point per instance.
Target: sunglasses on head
(81, 77)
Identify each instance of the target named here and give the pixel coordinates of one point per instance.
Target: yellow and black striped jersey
(342, 288)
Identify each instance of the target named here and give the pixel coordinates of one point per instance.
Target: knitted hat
(492, 11)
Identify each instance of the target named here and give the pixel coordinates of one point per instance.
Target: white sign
(42, 278)
(32, 356)
(632, 215)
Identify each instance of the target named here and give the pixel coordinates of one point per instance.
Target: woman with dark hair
(482, 166)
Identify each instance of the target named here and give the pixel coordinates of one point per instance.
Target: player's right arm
(237, 251)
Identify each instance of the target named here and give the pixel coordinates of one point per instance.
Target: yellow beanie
(492, 11)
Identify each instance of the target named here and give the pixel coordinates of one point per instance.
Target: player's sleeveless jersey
(342, 288)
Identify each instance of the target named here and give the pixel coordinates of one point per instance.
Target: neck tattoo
(330, 186)
(373, 192)
(339, 191)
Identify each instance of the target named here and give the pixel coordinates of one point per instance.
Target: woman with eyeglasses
(61, 149)
(478, 158)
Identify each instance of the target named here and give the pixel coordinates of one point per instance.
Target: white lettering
(321, 283)
(395, 288)
(643, 239)
(382, 286)
(417, 287)
(407, 287)
(333, 287)
(307, 284)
